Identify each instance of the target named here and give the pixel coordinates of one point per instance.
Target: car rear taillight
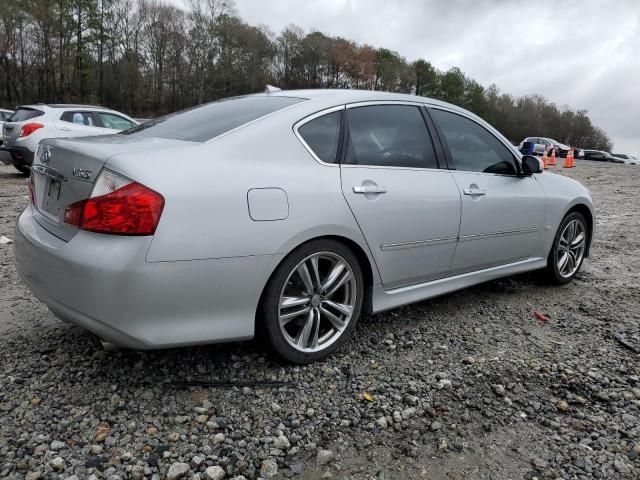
(29, 128)
(117, 206)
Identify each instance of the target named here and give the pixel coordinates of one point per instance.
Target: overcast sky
(581, 54)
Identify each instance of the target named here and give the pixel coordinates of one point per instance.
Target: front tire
(313, 301)
(567, 252)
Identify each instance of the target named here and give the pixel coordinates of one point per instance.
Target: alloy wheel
(317, 302)
(571, 248)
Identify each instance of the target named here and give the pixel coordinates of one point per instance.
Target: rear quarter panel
(206, 214)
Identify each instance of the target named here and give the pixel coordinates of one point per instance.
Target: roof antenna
(272, 89)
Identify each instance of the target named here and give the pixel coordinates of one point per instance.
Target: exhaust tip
(108, 346)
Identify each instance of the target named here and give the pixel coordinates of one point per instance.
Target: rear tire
(568, 249)
(23, 169)
(313, 301)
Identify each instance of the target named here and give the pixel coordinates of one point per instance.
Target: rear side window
(116, 122)
(23, 114)
(205, 122)
(79, 118)
(389, 136)
(473, 147)
(322, 135)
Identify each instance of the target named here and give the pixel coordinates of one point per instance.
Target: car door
(77, 123)
(406, 206)
(538, 147)
(502, 213)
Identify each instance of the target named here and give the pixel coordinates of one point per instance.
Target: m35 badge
(81, 172)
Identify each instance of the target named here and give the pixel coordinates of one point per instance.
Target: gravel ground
(468, 385)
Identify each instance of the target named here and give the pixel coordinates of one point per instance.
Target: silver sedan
(289, 213)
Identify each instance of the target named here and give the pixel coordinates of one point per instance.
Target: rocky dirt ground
(469, 385)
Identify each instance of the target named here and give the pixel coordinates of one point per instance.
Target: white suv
(4, 116)
(31, 123)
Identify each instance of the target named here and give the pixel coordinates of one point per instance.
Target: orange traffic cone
(568, 162)
(552, 161)
(544, 157)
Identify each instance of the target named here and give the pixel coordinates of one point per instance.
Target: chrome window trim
(313, 116)
(378, 167)
(373, 103)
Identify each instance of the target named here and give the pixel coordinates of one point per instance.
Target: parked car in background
(628, 159)
(601, 156)
(306, 208)
(29, 124)
(536, 145)
(4, 116)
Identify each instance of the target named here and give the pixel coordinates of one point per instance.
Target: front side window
(115, 122)
(79, 118)
(390, 136)
(322, 134)
(474, 148)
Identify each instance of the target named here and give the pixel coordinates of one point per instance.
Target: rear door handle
(65, 129)
(474, 191)
(369, 189)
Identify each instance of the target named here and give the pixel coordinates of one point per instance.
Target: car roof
(339, 96)
(62, 106)
(348, 96)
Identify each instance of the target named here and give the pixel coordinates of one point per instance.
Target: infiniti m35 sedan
(289, 213)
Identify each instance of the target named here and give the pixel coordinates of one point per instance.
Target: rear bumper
(103, 284)
(21, 156)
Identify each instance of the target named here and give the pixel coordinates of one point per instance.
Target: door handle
(369, 189)
(65, 129)
(474, 191)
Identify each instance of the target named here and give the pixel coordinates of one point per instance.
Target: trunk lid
(64, 172)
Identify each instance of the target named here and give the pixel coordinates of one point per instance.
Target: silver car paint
(200, 277)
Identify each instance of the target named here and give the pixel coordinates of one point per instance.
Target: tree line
(149, 57)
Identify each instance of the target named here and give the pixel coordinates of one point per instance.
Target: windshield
(204, 122)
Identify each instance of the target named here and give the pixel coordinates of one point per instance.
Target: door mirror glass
(531, 165)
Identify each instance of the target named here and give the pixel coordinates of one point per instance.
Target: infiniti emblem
(45, 157)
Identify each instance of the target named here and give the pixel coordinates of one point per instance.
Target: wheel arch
(368, 271)
(586, 212)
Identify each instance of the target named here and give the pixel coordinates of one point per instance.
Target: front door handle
(369, 189)
(474, 191)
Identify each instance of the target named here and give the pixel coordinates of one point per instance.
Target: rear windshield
(202, 123)
(22, 114)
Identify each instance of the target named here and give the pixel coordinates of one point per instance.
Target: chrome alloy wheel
(571, 248)
(317, 302)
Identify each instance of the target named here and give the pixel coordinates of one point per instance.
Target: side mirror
(531, 165)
